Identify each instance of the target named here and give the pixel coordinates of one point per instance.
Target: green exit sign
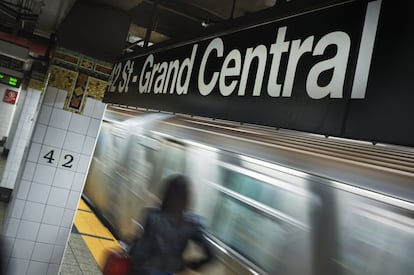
(12, 81)
(9, 80)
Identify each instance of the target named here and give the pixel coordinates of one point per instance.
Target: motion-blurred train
(274, 201)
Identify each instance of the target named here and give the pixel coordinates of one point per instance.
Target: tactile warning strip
(95, 235)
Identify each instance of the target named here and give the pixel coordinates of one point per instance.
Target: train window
(174, 160)
(140, 163)
(101, 142)
(271, 195)
(171, 161)
(237, 225)
(256, 219)
(376, 241)
(118, 143)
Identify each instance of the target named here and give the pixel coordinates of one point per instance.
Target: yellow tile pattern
(99, 248)
(83, 206)
(87, 223)
(92, 232)
(96, 88)
(62, 78)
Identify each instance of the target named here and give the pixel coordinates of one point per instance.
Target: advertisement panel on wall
(301, 72)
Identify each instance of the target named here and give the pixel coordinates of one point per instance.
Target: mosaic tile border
(81, 76)
(78, 62)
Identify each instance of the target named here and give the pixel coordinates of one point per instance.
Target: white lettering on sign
(338, 63)
(159, 76)
(206, 88)
(294, 49)
(126, 76)
(276, 50)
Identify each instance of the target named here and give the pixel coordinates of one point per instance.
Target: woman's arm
(200, 238)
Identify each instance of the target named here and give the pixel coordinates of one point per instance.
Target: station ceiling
(173, 18)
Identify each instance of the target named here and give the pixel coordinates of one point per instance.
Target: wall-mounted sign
(304, 72)
(10, 80)
(10, 96)
(11, 63)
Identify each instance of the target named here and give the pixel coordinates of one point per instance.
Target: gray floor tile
(82, 258)
(70, 259)
(70, 270)
(92, 269)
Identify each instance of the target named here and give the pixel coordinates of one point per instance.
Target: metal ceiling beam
(173, 5)
(5, 9)
(200, 9)
(13, 5)
(152, 22)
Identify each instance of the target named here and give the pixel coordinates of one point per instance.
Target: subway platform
(89, 241)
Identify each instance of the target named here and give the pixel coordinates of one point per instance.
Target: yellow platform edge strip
(94, 234)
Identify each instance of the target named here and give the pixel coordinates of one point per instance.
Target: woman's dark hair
(176, 195)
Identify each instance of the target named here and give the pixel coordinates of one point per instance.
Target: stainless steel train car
(274, 201)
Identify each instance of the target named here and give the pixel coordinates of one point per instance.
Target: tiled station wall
(18, 144)
(43, 210)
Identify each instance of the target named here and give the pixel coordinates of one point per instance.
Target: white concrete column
(46, 196)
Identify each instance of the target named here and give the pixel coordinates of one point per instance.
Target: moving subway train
(273, 201)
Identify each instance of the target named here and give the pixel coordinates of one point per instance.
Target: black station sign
(301, 72)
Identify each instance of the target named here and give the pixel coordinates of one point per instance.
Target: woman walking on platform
(166, 234)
